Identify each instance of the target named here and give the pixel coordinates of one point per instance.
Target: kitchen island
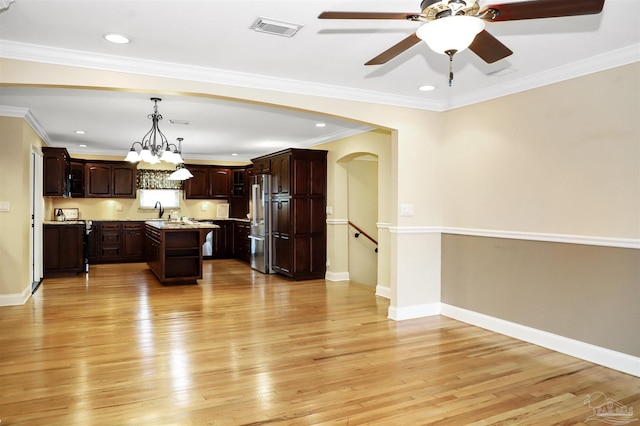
(174, 250)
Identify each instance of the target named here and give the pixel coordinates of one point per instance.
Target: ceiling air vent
(270, 26)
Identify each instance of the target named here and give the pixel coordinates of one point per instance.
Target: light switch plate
(4, 206)
(406, 209)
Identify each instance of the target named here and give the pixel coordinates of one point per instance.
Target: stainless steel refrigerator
(260, 234)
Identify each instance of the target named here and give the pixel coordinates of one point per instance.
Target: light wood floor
(241, 348)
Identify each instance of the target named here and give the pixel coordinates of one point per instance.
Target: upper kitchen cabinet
(55, 182)
(76, 178)
(208, 182)
(239, 196)
(261, 166)
(110, 179)
(280, 174)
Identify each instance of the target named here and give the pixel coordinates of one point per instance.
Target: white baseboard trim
(336, 276)
(415, 311)
(383, 291)
(586, 351)
(15, 299)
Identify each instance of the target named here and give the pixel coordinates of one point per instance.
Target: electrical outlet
(328, 262)
(203, 207)
(118, 207)
(329, 210)
(4, 206)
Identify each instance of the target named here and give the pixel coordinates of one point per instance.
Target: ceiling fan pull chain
(450, 53)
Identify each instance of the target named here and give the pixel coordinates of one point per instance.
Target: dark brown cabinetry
(108, 179)
(133, 241)
(261, 166)
(208, 182)
(116, 242)
(76, 178)
(110, 247)
(55, 182)
(239, 195)
(298, 207)
(62, 246)
(241, 245)
(174, 255)
(223, 239)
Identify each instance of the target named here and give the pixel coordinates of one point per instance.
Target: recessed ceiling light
(117, 38)
(234, 154)
(80, 132)
(426, 88)
(82, 145)
(320, 124)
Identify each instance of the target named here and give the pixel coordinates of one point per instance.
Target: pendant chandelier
(155, 147)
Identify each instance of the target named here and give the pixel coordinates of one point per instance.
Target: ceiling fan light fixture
(452, 33)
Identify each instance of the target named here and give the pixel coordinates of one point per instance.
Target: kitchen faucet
(161, 211)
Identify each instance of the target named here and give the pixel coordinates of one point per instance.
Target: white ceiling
(211, 41)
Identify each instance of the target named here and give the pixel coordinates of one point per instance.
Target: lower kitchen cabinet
(63, 249)
(116, 242)
(223, 239)
(133, 241)
(241, 246)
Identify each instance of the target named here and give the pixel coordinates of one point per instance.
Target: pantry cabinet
(298, 211)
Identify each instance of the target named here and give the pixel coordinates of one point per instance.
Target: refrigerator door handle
(252, 237)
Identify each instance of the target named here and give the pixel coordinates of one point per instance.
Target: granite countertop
(64, 222)
(164, 220)
(165, 224)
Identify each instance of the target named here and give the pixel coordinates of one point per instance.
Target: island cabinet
(298, 211)
(174, 252)
(62, 249)
(110, 179)
(56, 168)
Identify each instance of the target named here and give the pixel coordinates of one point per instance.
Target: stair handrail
(361, 232)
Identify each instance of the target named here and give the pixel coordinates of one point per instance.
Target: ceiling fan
(454, 25)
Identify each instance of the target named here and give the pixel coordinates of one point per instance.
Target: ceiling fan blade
(365, 15)
(395, 50)
(534, 9)
(489, 48)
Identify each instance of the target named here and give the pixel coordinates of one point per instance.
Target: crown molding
(615, 58)
(56, 56)
(9, 111)
(66, 57)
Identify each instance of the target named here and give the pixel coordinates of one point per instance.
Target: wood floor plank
(115, 347)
